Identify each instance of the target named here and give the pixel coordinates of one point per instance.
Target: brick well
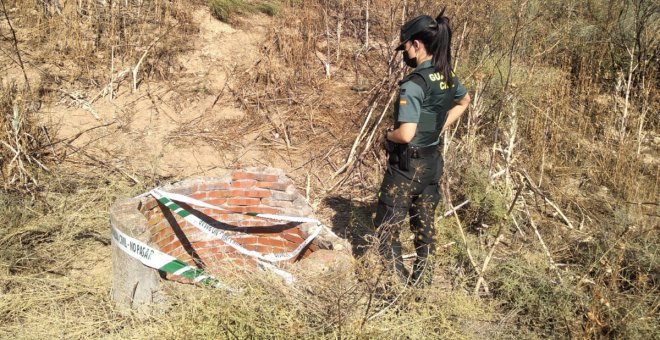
(254, 190)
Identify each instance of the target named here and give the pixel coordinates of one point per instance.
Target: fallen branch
(553, 267)
(77, 99)
(111, 166)
(15, 43)
(454, 209)
(109, 87)
(136, 69)
(538, 191)
(481, 279)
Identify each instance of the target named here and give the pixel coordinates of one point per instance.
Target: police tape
(166, 199)
(156, 259)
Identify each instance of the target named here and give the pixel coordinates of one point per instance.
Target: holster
(398, 154)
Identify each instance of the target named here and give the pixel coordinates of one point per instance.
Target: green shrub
(223, 10)
(487, 203)
(540, 305)
(269, 8)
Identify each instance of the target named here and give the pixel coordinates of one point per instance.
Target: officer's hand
(388, 145)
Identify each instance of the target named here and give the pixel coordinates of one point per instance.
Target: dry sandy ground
(167, 129)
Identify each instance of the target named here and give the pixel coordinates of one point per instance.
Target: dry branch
(15, 43)
(481, 280)
(553, 267)
(538, 191)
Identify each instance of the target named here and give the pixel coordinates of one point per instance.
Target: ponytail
(442, 50)
(437, 40)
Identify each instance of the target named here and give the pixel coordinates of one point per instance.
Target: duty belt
(423, 151)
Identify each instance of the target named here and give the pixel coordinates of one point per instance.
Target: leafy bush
(224, 9)
(538, 302)
(487, 203)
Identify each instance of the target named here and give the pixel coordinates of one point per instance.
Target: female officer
(430, 99)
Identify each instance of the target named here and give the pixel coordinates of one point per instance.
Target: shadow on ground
(352, 221)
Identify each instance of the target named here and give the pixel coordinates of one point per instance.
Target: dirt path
(167, 129)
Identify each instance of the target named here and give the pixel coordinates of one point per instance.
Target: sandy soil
(146, 125)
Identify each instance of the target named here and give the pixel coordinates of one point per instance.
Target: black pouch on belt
(392, 152)
(404, 157)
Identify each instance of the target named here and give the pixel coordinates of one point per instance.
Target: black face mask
(411, 62)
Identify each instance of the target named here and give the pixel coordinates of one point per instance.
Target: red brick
(243, 184)
(296, 231)
(206, 254)
(305, 253)
(250, 193)
(200, 245)
(206, 211)
(155, 214)
(216, 201)
(164, 238)
(272, 185)
(185, 257)
(160, 230)
(178, 252)
(158, 227)
(267, 241)
(199, 196)
(269, 249)
(254, 218)
(219, 256)
(238, 175)
(249, 262)
(243, 201)
(228, 217)
(167, 249)
(233, 223)
(255, 223)
(150, 204)
(291, 237)
(220, 194)
(266, 178)
(256, 210)
(262, 210)
(267, 235)
(247, 240)
(313, 246)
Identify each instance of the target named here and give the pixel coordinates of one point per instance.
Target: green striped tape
(156, 259)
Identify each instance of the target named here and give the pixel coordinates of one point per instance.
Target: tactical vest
(438, 99)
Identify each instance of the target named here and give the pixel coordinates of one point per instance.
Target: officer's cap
(414, 26)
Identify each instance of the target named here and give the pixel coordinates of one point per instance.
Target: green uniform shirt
(425, 98)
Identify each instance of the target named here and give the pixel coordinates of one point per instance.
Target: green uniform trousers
(415, 192)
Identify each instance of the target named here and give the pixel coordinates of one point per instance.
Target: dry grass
(56, 281)
(561, 114)
(24, 140)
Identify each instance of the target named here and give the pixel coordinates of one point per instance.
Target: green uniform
(424, 98)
